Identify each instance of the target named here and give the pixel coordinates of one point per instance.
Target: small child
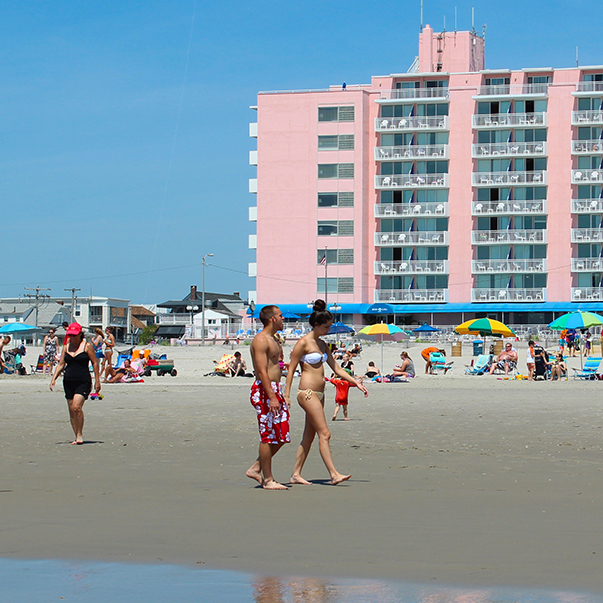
(342, 388)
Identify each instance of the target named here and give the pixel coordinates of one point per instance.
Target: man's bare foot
(298, 479)
(254, 474)
(340, 478)
(346, 419)
(273, 485)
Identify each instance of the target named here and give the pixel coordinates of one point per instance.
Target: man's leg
(267, 451)
(255, 471)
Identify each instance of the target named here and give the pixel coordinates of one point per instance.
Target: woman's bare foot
(334, 418)
(340, 478)
(346, 419)
(298, 479)
(77, 442)
(253, 473)
(273, 485)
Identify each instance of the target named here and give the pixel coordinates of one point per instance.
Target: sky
(124, 137)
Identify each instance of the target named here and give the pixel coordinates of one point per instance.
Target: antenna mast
(421, 15)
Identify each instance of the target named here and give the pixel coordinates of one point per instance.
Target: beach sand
(455, 479)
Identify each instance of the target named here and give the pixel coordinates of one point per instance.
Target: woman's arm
(58, 370)
(343, 374)
(92, 356)
(296, 354)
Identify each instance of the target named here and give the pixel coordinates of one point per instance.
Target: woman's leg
(108, 364)
(76, 415)
(315, 415)
(305, 445)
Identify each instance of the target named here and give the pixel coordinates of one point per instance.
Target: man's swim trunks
(273, 430)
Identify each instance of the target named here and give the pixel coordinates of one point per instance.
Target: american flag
(323, 262)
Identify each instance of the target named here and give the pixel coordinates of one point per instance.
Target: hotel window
(343, 142)
(335, 170)
(342, 199)
(336, 285)
(593, 77)
(336, 113)
(342, 228)
(336, 256)
(432, 109)
(539, 79)
(498, 81)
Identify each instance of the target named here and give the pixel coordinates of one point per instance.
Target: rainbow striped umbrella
(382, 332)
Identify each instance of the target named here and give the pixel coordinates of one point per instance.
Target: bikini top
(314, 358)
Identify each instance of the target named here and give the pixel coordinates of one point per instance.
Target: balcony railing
(412, 296)
(404, 239)
(586, 118)
(587, 147)
(586, 235)
(411, 267)
(405, 124)
(409, 94)
(509, 149)
(489, 237)
(508, 178)
(437, 151)
(587, 176)
(508, 294)
(508, 266)
(587, 294)
(514, 90)
(96, 319)
(587, 264)
(479, 208)
(390, 210)
(587, 206)
(589, 87)
(411, 181)
(174, 319)
(509, 120)
(118, 321)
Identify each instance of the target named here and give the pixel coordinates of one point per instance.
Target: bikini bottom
(308, 394)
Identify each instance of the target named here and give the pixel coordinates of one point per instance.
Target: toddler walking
(342, 389)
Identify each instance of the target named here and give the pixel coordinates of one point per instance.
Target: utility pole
(37, 297)
(73, 298)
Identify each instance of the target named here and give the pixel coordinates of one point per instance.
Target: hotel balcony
(411, 238)
(581, 294)
(588, 88)
(411, 267)
(509, 149)
(509, 120)
(411, 181)
(587, 147)
(515, 90)
(174, 319)
(508, 294)
(512, 207)
(407, 124)
(412, 296)
(587, 264)
(587, 118)
(508, 266)
(587, 176)
(406, 95)
(437, 151)
(391, 210)
(586, 235)
(509, 235)
(587, 206)
(508, 178)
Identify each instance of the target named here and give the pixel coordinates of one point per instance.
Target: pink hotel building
(447, 190)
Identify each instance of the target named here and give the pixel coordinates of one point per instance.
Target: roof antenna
(577, 61)
(421, 15)
(444, 22)
(473, 19)
(455, 19)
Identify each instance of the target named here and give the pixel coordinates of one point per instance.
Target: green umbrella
(577, 320)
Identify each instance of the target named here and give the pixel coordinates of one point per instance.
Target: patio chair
(438, 363)
(480, 365)
(589, 371)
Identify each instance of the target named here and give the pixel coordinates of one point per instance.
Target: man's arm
(260, 365)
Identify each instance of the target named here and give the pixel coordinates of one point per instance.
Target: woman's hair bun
(319, 305)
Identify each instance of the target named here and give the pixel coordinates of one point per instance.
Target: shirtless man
(267, 398)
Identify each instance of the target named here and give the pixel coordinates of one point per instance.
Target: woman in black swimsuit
(75, 358)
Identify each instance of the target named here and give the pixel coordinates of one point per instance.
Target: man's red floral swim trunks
(273, 430)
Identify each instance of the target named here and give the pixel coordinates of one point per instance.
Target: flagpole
(326, 285)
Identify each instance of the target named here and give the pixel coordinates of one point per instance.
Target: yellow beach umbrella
(484, 326)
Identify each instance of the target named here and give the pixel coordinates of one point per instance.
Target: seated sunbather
(122, 373)
(558, 367)
(506, 360)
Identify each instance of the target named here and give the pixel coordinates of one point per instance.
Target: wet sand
(455, 479)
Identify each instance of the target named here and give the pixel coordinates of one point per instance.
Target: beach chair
(223, 366)
(39, 367)
(438, 363)
(591, 366)
(480, 365)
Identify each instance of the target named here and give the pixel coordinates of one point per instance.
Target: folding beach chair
(438, 363)
(591, 366)
(223, 366)
(39, 367)
(480, 365)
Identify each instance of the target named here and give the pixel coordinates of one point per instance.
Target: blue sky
(124, 125)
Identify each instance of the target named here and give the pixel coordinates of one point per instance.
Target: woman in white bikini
(311, 353)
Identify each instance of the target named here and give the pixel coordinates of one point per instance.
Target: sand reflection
(293, 590)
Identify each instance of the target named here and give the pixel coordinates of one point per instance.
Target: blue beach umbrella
(425, 329)
(339, 327)
(17, 327)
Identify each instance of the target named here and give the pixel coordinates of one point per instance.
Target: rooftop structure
(448, 188)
